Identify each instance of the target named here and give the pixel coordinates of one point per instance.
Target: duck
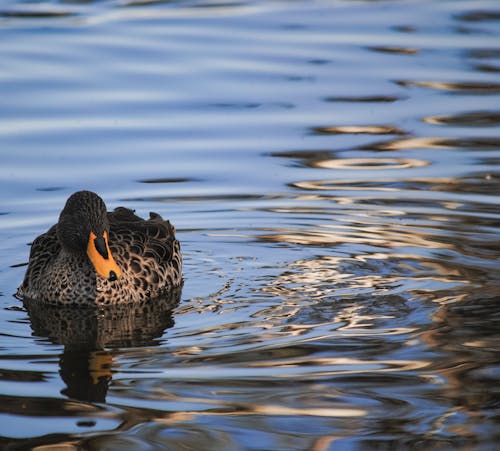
(93, 257)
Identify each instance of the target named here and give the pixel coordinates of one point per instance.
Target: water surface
(333, 172)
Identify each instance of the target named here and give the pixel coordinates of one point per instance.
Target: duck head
(83, 228)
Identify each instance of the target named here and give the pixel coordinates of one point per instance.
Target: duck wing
(147, 249)
(44, 249)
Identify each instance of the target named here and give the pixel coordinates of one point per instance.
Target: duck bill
(101, 257)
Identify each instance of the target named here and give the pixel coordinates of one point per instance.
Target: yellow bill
(101, 257)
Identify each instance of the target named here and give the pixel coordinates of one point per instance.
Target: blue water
(333, 171)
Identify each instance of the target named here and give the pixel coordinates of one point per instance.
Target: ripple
(382, 236)
(470, 119)
(488, 68)
(471, 143)
(360, 129)
(479, 16)
(370, 163)
(196, 198)
(366, 99)
(484, 53)
(21, 375)
(470, 87)
(352, 184)
(478, 183)
(394, 49)
(48, 408)
(327, 159)
(404, 28)
(238, 106)
(327, 280)
(341, 263)
(36, 13)
(169, 180)
(49, 189)
(135, 3)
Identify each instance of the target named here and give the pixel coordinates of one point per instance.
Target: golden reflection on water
(479, 183)
(475, 87)
(242, 409)
(327, 275)
(327, 290)
(360, 129)
(385, 235)
(370, 163)
(386, 184)
(489, 143)
(469, 119)
(342, 365)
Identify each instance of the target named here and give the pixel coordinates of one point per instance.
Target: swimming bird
(95, 257)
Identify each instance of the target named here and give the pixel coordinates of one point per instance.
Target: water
(333, 171)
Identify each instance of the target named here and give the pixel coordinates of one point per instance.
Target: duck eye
(112, 276)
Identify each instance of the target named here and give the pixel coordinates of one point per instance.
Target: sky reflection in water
(332, 169)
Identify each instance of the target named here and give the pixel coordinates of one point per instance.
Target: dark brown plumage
(95, 257)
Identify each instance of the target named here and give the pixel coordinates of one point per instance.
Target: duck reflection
(88, 334)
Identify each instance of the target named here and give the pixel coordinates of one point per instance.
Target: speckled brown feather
(146, 251)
